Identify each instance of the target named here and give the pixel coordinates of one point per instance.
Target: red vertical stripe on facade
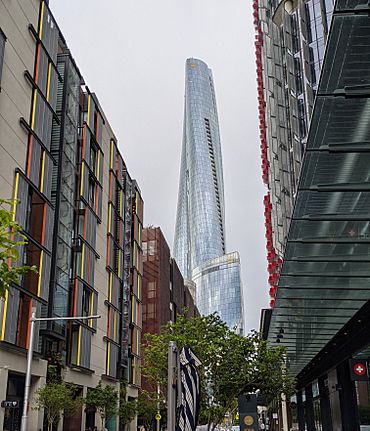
(260, 90)
(273, 260)
(37, 64)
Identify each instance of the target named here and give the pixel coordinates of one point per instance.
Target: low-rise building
(165, 294)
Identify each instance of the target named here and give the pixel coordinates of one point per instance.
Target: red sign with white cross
(359, 369)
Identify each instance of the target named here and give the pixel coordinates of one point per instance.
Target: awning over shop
(325, 276)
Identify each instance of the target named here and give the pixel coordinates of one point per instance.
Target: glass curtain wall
(199, 246)
(200, 230)
(290, 43)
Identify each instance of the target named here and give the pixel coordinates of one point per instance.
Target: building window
(23, 320)
(92, 191)
(74, 344)
(32, 257)
(2, 49)
(93, 158)
(36, 215)
(86, 301)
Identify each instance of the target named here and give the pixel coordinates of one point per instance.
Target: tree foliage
(104, 399)
(10, 241)
(147, 408)
(55, 399)
(127, 411)
(127, 408)
(231, 364)
(55, 367)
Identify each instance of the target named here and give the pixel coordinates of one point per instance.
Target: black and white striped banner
(188, 399)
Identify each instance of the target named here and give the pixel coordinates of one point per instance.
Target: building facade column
(36, 417)
(348, 400)
(3, 389)
(83, 420)
(309, 413)
(334, 400)
(132, 392)
(325, 406)
(300, 412)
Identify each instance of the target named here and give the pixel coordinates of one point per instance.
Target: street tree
(104, 399)
(57, 399)
(127, 411)
(147, 408)
(11, 239)
(231, 364)
(127, 408)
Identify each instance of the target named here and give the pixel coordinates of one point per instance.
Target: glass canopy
(325, 276)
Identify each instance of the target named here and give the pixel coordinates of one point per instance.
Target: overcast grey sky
(132, 55)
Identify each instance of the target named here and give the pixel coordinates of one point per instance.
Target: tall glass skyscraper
(199, 246)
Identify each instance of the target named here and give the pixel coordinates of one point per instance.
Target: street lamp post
(171, 387)
(27, 386)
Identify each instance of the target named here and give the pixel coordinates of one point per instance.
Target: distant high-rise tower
(199, 246)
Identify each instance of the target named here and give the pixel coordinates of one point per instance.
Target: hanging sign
(359, 369)
(10, 404)
(248, 419)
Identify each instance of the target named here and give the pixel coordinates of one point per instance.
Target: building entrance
(15, 392)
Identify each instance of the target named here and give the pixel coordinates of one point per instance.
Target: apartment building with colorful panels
(82, 215)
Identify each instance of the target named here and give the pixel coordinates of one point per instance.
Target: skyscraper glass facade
(290, 43)
(200, 224)
(200, 232)
(221, 271)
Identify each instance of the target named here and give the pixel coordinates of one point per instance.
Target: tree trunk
(218, 420)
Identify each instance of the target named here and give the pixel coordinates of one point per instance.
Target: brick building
(164, 292)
